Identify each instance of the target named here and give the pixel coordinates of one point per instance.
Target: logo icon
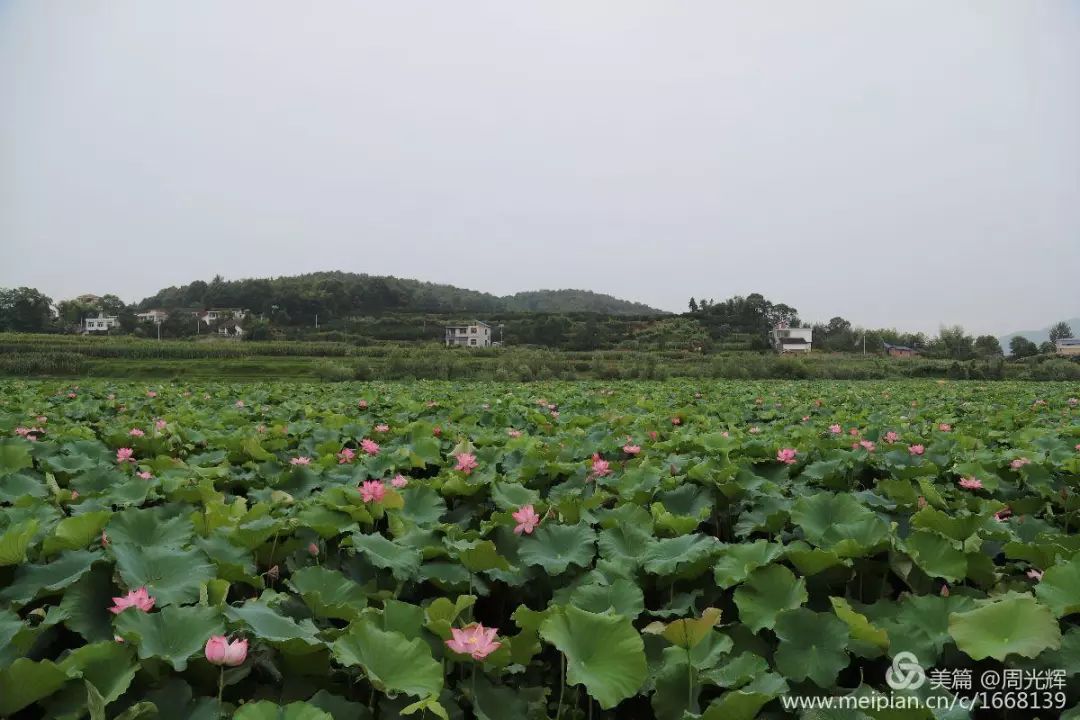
(906, 673)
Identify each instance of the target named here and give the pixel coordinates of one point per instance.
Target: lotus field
(673, 550)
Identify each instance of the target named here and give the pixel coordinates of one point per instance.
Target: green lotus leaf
(441, 614)
(152, 527)
(812, 646)
(495, 702)
(423, 505)
(868, 639)
(77, 532)
(328, 593)
(936, 555)
(266, 710)
(34, 580)
(839, 523)
(673, 555)
(1013, 624)
(25, 682)
(735, 562)
(767, 592)
(86, 605)
(479, 555)
(1060, 587)
(557, 547)
(687, 633)
(673, 694)
(603, 652)
(403, 562)
(14, 455)
(15, 541)
(290, 636)
(744, 703)
(737, 671)
(172, 634)
(170, 575)
(622, 597)
(391, 661)
(918, 624)
(338, 707)
(108, 666)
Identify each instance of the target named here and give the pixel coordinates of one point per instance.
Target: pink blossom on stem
(124, 455)
(971, 483)
(346, 456)
(466, 463)
(527, 520)
(474, 640)
(399, 481)
(916, 449)
(372, 491)
(369, 446)
(786, 455)
(219, 651)
(300, 460)
(139, 599)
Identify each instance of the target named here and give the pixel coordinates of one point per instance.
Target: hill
(1038, 336)
(339, 295)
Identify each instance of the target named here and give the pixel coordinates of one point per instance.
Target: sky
(901, 163)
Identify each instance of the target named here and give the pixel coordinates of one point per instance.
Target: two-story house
(475, 334)
(101, 323)
(786, 339)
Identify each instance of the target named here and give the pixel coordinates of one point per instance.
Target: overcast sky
(898, 163)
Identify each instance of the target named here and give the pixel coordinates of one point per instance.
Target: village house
(156, 316)
(1067, 346)
(101, 323)
(215, 314)
(786, 339)
(899, 350)
(476, 334)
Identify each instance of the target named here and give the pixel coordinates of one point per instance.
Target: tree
(1021, 347)
(1047, 348)
(953, 342)
(987, 346)
(693, 305)
(24, 310)
(1060, 331)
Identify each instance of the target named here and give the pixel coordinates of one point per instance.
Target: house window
(473, 329)
(472, 341)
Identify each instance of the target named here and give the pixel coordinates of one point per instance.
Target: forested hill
(339, 295)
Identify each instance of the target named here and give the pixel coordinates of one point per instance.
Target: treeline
(297, 300)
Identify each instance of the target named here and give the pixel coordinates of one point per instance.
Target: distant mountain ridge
(341, 294)
(1039, 336)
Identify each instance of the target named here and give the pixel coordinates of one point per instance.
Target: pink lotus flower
(922, 502)
(971, 483)
(466, 463)
(725, 433)
(125, 455)
(362, 404)
(513, 433)
(944, 427)
(891, 437)
(755, 430)
(74, 494)
(42, 419)
(630, 449)
(436, 431)
(805, 418)
(144, 475)
(136, 432)
(260, 429)
(151, 393)
(916, 449)
(1003, 514)
(1035, 575)
(676, 420)
(474, 640)
(945, 590)
(22, 431)
(1073, 402)
(786, 455)
(104, 539)
(300, 460)
(160, 424)
(1019, 463)
(369, 446)
(219, 651)
(1077, 447)
(653, 434)
(372, 491)
(346, 456)
(600, 466)
(399, 481)
(527, 520)
(313, 549)
(72, 395)
(136, 598)
(555, 414)
(835, 429)
(854, 432)
(867, 445)
(382, 428)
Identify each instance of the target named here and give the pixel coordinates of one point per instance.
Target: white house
(476, 334)
(155, 316)
(784, 339)
(215, 314)
(1067, 346)
(102, 323)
